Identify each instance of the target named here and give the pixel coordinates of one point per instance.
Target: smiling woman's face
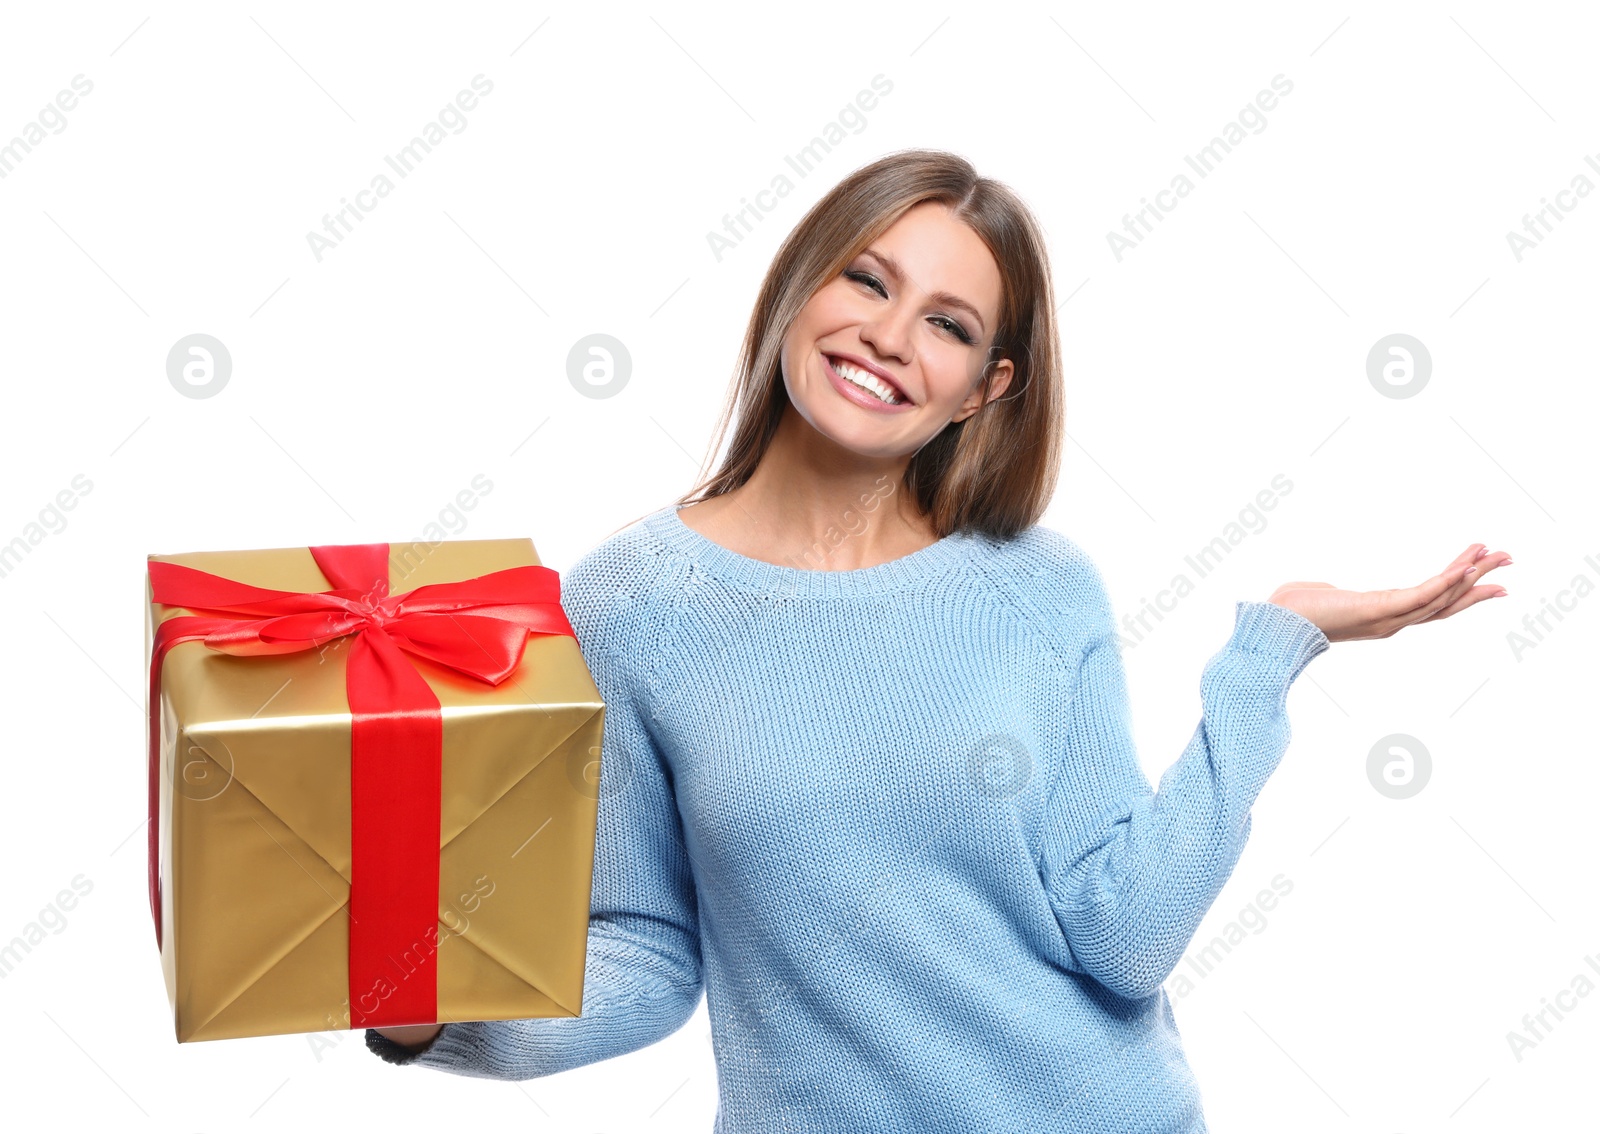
(916, 312)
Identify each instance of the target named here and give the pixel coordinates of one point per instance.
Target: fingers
(1488, 562)
(1468, 568)
(1465, 590)
(1439, 596)
(1473, 596)
(1427, 596)
(1471, 555)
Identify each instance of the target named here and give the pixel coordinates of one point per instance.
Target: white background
(1230, 346)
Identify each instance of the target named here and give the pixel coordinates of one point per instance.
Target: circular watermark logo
(999, 766)
(198, 366)
(1399, 766)
(1399, 366)
(584, 772)
(202, 771)
(598, 366)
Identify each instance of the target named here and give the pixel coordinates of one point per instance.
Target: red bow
(476, 626)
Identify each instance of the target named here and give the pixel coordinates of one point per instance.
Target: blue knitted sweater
(891, 822)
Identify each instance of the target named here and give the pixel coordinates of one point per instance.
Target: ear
(999, 382)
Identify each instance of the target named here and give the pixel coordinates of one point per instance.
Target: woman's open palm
(1346, 616)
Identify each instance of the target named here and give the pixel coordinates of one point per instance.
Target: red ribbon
(476, 626)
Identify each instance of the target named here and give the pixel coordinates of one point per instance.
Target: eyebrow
(892, 266)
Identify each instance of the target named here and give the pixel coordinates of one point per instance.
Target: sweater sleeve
(642, 971)
(1130, 872)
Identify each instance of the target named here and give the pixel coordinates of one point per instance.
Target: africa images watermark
(1537, 1026)
(852, 523)
(51, 521)
(52, 917)
(338, 225)
(742, 222)
(1537, 226)
(1136, 226)
(1204, 561)
(405, 558)
(456, 920)
(1536, 626)
(52, 118)
(1253, 918)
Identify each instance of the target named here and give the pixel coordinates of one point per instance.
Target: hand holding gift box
(367, 808)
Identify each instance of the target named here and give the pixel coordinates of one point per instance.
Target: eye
(870, 281)
(944, 322)
(955, 329)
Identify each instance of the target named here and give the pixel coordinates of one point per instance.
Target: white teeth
(868, 382)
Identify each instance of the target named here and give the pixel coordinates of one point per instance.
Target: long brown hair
(992, 472)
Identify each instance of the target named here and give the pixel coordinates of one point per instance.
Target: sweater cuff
(390, 1052)
(1267, 628)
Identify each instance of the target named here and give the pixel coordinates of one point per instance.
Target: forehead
(941, 253)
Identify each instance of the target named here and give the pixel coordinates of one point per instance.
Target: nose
(890, 332)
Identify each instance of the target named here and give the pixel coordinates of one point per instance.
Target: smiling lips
(885, 391)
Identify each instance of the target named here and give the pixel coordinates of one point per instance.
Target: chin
(866, 441)
(850, 428)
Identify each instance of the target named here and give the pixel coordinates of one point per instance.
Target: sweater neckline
(917, 567)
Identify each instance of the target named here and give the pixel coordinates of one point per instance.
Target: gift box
(373, 787)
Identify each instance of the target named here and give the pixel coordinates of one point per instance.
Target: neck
(809, 494)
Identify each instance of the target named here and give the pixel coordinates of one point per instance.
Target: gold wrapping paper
(255, 817)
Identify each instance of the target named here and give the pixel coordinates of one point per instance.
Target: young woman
(868, 777)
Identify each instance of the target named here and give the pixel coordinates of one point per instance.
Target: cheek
(831, 309)
(950, 380)
(789, 358)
